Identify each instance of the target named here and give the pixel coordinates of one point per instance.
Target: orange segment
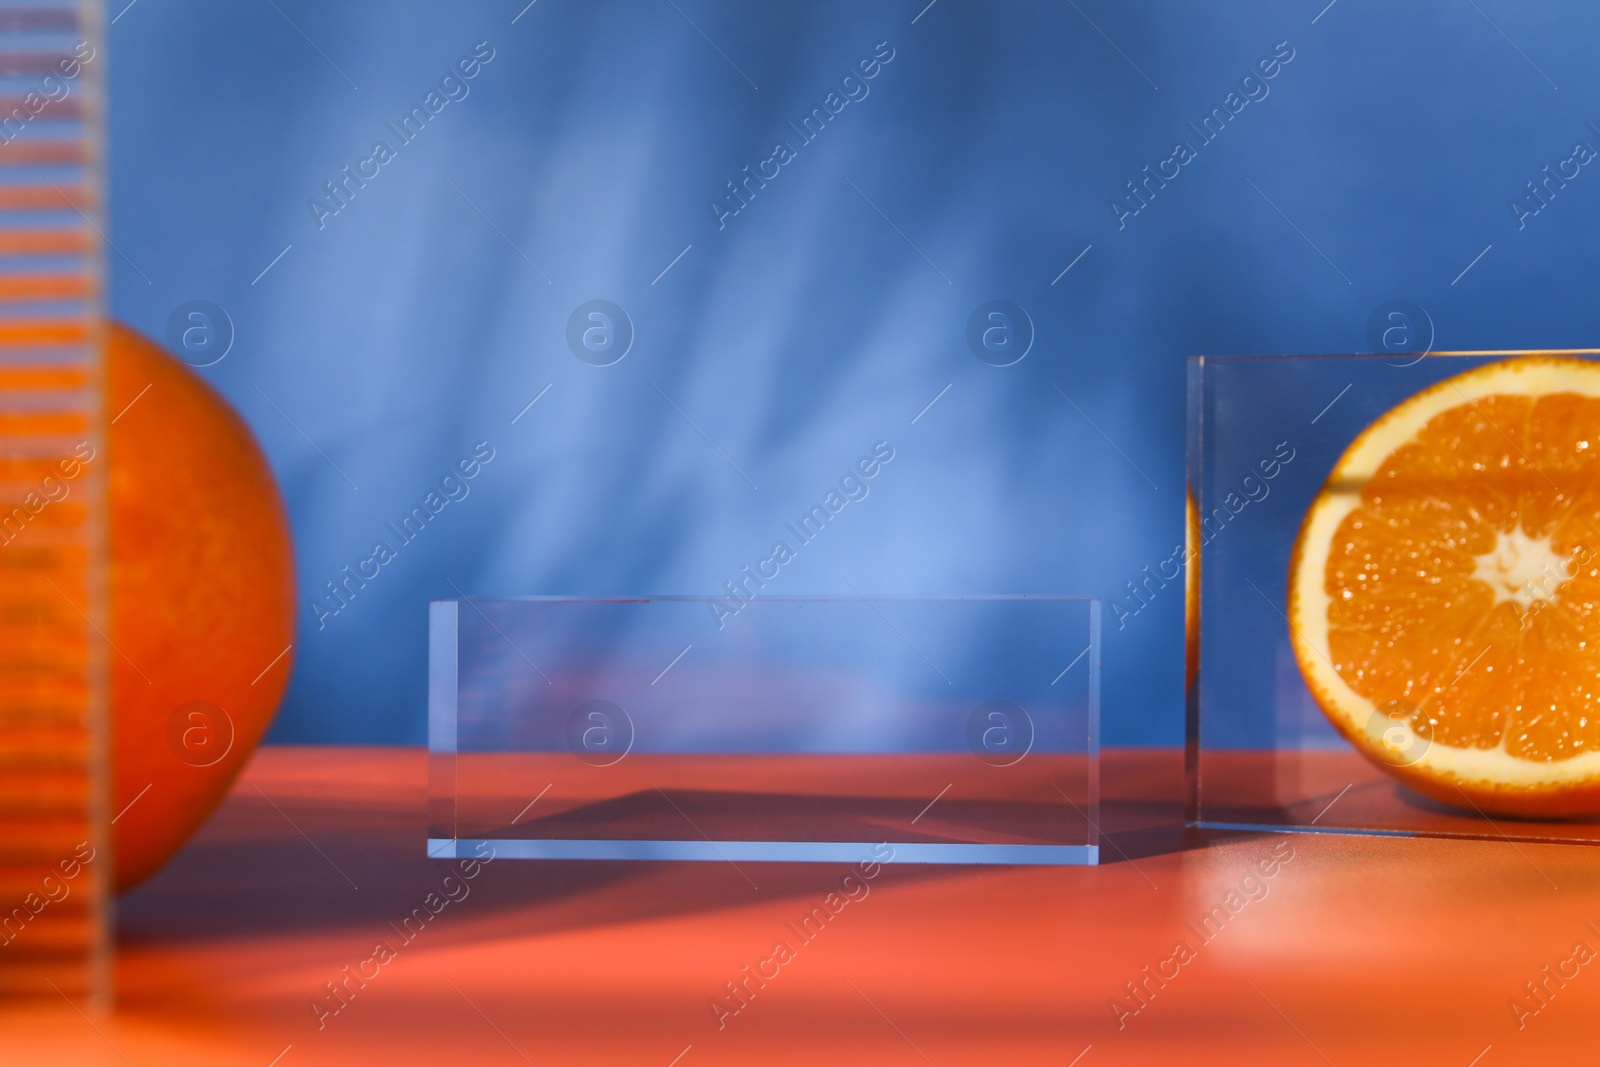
(1444, 596)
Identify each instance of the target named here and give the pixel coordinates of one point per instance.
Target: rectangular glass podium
(1265, 434)
(953, 729)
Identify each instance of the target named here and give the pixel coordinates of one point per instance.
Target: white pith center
(1523, 569)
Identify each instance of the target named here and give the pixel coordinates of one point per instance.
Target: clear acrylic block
(1264, 435)
(954, 729)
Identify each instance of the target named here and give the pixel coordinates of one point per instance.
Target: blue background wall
(414, 322)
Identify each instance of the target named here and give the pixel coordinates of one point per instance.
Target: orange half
(1191, 590)
(1444, 593)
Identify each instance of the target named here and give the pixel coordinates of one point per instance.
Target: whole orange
(201, 599)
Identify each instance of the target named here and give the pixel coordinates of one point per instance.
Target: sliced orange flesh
(1191, 590)
(1444, 596)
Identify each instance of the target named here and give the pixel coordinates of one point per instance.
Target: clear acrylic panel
(1264, 435)
(954, 729)
(55, 823)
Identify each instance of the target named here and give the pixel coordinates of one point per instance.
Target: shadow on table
(316, 861)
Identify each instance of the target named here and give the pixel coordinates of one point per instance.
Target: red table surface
(1356, 950)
